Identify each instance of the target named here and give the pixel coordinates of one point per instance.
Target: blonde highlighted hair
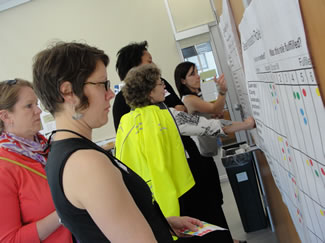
(9, 92)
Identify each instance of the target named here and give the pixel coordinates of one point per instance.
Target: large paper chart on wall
(233, 53)
(286, 103)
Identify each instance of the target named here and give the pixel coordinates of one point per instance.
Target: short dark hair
(9, 92)
(139, 82)
(73, 62)
(180, 73)
(129, 56)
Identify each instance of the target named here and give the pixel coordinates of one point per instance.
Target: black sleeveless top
(78, 221)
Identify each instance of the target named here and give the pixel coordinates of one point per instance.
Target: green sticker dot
(298, 96)
(294, 95)
(316, 172)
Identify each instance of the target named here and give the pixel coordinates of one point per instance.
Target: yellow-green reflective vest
(149, 143)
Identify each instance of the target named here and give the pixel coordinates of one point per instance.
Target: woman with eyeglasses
(27, 212)
(148, 141)
(97, 197)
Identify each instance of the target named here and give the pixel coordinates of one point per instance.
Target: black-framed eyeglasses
(107, 84)
(11, 82)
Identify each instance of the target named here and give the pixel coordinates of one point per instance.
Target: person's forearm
(235, 127)
(219, 104)
(47, 225)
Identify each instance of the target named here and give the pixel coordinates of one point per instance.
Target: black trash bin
(241, 174)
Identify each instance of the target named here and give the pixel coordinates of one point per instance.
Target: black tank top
(78, 221)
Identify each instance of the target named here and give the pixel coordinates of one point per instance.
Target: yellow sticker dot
(322, 212)
(317, 91)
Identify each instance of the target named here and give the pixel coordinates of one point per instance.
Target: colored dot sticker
(290, 159)
(323, 171)
(311, 162)
(316, 172)
(298, 96)
(270, 86)
(284, 158)
(322, 213)
(307, 162)
(294, 95)
(302, 111)
(277, 100)
(299, 220)
(280, 139)
(304, 92)
(272, 94)
(282, 150)
(305, 120)
(317, 91)
(287, 143)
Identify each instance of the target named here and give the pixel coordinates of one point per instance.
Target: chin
(101, 123)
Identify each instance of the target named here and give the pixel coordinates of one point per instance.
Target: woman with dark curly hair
(148, 141)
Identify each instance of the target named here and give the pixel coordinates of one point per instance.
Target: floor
(235, 224)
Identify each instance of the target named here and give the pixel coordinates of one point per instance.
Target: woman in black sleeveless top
(96, 196)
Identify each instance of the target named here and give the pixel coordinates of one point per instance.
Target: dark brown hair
(180, 73)
(72, 62)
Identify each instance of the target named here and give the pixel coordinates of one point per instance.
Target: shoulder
(191, 99)
(85, 166)
(89, 158)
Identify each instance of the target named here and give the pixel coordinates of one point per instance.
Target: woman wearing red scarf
(27, 213)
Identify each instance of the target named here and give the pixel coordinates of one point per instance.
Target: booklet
(207, 228)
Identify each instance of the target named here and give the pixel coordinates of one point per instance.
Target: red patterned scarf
(32, 149)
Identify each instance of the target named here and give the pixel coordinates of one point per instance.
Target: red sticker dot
(304, 92)
(311, 162)
(323, 171)
(282, 150)
(287, 143)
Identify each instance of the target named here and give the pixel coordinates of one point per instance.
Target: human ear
(67, 92)
(4, 116)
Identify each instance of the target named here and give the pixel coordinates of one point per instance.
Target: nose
(109, 94)
(38, 110)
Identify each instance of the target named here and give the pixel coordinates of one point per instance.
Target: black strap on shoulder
(62, 130)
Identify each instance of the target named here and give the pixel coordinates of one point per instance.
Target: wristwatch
(222, 93)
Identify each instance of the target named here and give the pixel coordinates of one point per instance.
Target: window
(200, 54)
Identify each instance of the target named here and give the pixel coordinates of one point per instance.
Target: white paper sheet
(288, 109)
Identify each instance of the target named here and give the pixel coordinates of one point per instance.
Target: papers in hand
(207, 228)
(208, 86)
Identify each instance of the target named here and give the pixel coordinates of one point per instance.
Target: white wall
(107, 24)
